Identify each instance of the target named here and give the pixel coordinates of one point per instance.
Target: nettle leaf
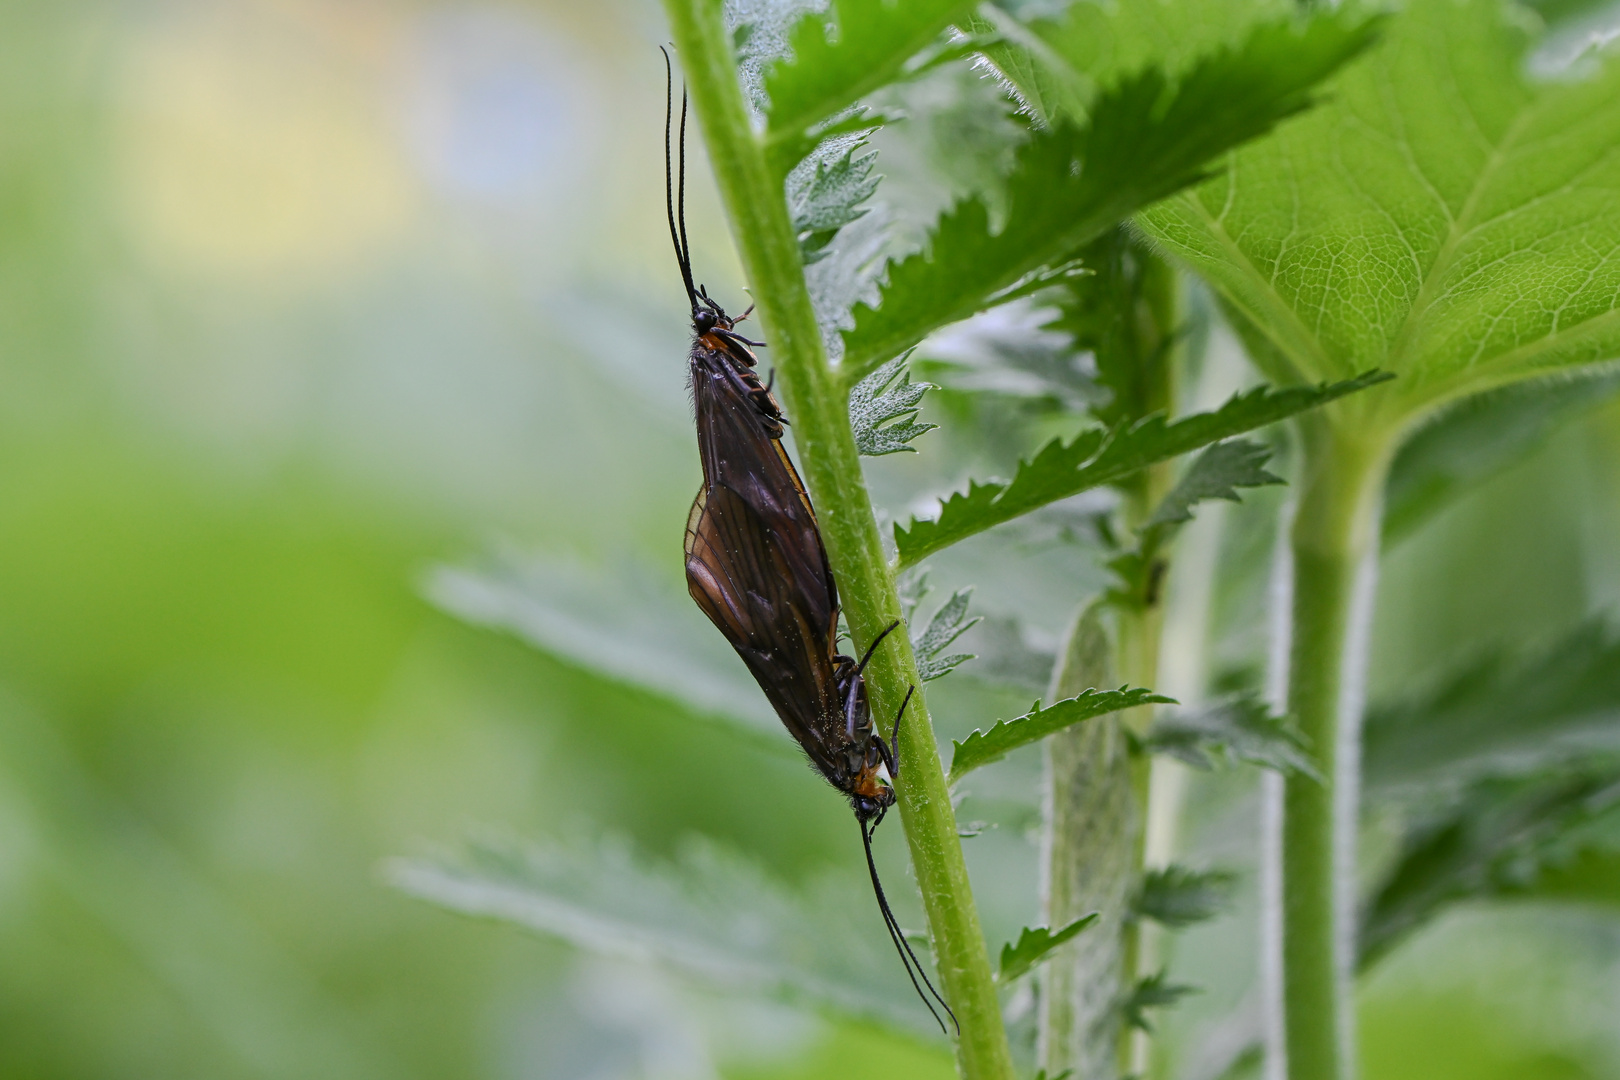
(1144, 139)
(1239, 729)
(1153, 992)
(1501, 716)
(1036, 945)
(1217, 473)
(1005, 736)
(1446, 215)
(825, 192)
(1111, 314)
(883, 409)
(710, 915)
(1477, 438)
(1053, 65)
(949, 623)
(627, 625)
(836, 61)
(1094, 458)
(1496, 840)
(1175, 896)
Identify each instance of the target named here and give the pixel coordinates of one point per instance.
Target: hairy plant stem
(1088, 851)
(819, 408)
(1138, 632)
(1335, 548)
(1097, 790)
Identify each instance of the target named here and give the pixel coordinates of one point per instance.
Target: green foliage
(1152, 992)
(1478, 437)
(1217, 473)
(1239, 729)
(710, 915)
(1143, 140)
(1508, 769)
(1445, 215)
(836, 63)
(1496, 839)
(1094, 458)
(1035, 945)
(1501, 715)
(1175, 896)
(949, 623)
(826, 190)
(1005, 736)
(1116, 313)
(623, 624)
(883, 410)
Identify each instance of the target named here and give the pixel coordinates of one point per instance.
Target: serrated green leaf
(1054, 65)
(1005, 736)
(1094, 458)
(1477, 438)
(845, 54)
(1495, 840)
(1152, 992)
(949, 623)
(826, 190)
(1240, 729)
(1447, 216)
(883, 409)
(710, 915)
(1175, 896)
(627, 625)
(1035, 945)
(1112, 314)
(1217, 473)
(1143, 140)
(1500, 716)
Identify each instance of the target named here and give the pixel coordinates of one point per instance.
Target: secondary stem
(1334, 540)
(757, 210)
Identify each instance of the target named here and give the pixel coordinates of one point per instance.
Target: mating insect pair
(756, 565)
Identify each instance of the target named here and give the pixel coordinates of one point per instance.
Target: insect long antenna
(903, 947)
(678, 238)
(680, 206)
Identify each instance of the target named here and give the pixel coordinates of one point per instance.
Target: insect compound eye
(703, 320)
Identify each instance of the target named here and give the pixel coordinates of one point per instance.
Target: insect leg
(872, 647)
(891, 749)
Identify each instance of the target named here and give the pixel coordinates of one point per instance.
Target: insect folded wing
(741, 575)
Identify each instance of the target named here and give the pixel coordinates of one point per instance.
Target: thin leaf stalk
(1334, 547)
(817, 405)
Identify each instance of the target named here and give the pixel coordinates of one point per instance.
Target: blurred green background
(299, 299)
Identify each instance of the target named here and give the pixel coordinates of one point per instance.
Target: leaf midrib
(1284, 312)
(1461, 228)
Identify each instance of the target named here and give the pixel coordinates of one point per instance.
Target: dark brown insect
(756, 565)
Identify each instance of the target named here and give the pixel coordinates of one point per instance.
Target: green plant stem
(1099, 791)
(1334, 542)
(819, 409)
(1138, 633)
(1088, 853)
